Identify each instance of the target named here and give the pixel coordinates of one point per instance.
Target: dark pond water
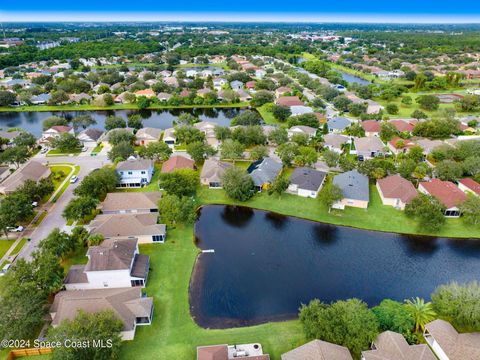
(266, 265)
(32, 121)
(354, 79)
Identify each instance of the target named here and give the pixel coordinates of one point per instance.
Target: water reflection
(237, 216)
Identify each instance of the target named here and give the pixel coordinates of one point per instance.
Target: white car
(5, 269)
(15, 228)
(84, 149)
(34, 204)
(73, 179)
(44, 150)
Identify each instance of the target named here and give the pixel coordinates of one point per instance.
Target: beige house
(33, 170)
(355, 190)
(145, 136)
(231, 352)
(212, 173)
(144, 227)
(448, 344)
(396, 191)
(390, 345)
(127, 304)
(318, 350)
(130, 202)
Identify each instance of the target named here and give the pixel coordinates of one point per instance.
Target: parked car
(15, 228)
(44, 150)
(5, 269)
(84, 149)
(73, 179)
(34, 204)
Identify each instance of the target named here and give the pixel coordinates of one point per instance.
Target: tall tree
(422, 312)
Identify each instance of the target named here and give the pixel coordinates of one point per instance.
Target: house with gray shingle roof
(90, 137)
(338, 124)
(115, 263)
(212, 172)
(355, 190)
(306, 182)
(264, 172)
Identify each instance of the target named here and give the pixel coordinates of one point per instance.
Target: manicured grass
(66, 170)
(97, 149)
(57, 152)
(378, 217)
(4, 246)
(266, 115)
(173, 334)
(42, 216)
(19, 246)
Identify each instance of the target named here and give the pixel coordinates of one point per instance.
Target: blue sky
(270, 10)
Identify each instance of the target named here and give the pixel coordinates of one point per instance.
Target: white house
(169, 137)
(55, 132)
(90, 137)
(306, 182)
(310, 132)
(300, 110)
(135, 172)
(112, 264)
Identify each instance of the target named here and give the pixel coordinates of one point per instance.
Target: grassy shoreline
(89, 107)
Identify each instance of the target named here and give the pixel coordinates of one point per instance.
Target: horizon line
(237, 17)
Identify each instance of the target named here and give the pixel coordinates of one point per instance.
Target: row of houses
(443, 342)
(115, 273)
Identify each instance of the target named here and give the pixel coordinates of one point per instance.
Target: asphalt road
(54, 218)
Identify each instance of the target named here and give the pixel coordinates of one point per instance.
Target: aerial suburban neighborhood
(239, 190)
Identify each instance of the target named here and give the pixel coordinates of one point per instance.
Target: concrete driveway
(54, 218)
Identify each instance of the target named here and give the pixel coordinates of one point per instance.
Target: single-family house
(134, 172)
(142, 226)
(398, 145)
(80, 98)
(169, 137)
(371, 127)
(130, 202)
(369, 147)
(212, 173)
(112, 264)
(306, 182)
(338, 124)
(40, 99)
(243, 95)
(335, 142)
(9, 135)
(33, 170)
(446, 192)
(297, 110)
(404, 125)
(318, 350)
(236, 85)
(149, 93)
(390, 345)
(56, 131)
(448, 344)
(396, 191)
(105, 138)
(428, 145)
(219, 83)
(128, 304)
(231, 352)
(171, 81)
(373, 107)
(90, 137)
(355, 189)
(147, 135)
(469, 186)
(289, 101)
(264, 172)
(310, 132)
(282, 90)
(163, 96)
(177, 162)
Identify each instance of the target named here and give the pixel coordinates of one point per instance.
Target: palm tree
(421, 311)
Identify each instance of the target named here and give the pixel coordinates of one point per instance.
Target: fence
(28, 352)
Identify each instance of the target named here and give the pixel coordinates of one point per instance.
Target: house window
(130, 173)
(143, 172)
(121, 172)
(142, 320)
(158, 238)
(137, 283)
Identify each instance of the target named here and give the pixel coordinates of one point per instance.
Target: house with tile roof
(130, 202)
(369, 147)
(371, 127)
(469, 186)
(448, 344)
(396, 191)
(128, 304)
(231, 352)
(446, 192)
(147, 135)
(318, 350)
(212, 172)
(390, 345)
(289, 101)
(55, 132)
(177, 162)
(115, 263)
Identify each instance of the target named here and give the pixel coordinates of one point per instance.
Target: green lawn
(266, 115)
(57, 152)
(173, 334)
(66, 173)
(4, 246)
(377, 217)
(19, 246)
(97, 149)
